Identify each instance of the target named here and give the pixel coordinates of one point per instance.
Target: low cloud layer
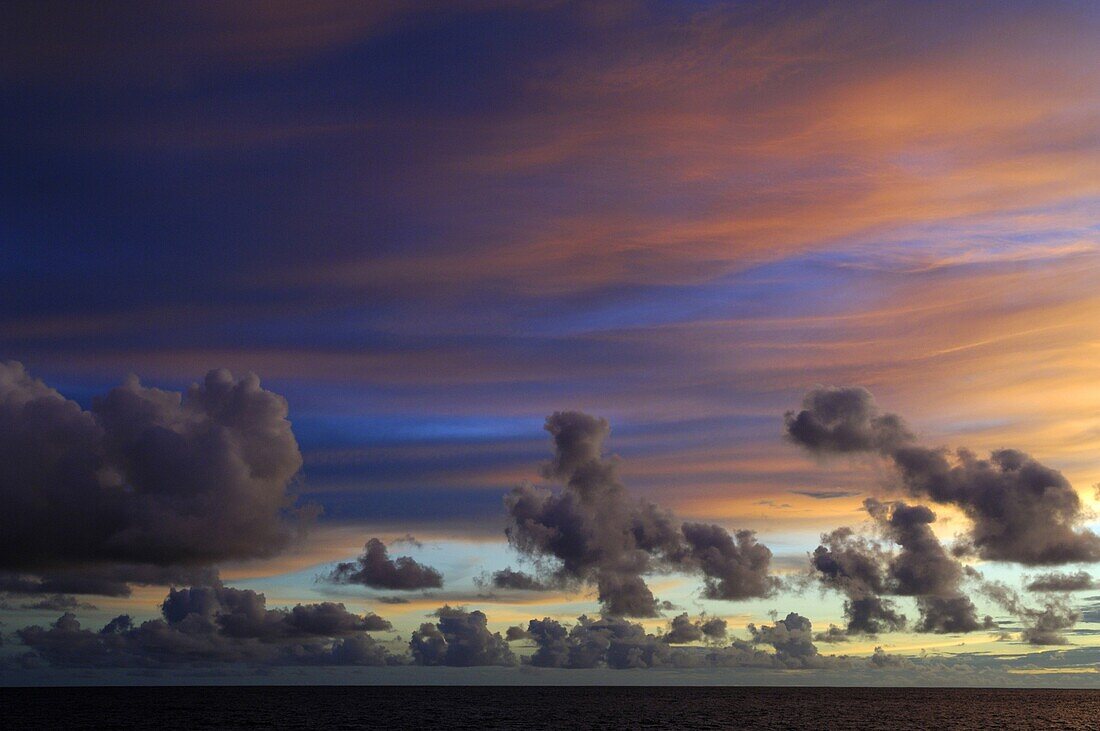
(1020, 510)
(214, 624)
(592, 532)
(374, 568)
(146, 486)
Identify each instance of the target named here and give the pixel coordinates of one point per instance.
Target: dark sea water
(350, 707)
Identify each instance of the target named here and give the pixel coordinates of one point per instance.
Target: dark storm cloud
(1020, 509)
(1056, 581)
(374, 568)
(215, 624)
(459, 639)
(144, 485)
(593, 532)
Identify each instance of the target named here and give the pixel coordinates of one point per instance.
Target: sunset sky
(430, 227)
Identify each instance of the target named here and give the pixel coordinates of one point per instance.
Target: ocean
(464, 707)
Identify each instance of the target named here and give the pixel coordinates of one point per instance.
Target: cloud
(832, 635)
(59, 603)
(825, 494)
(617, 643)
(1041, 626)
(1020, 510)
(459, 639)
(374, 568)
(865, 571)
(610, 641)
(1055, 581)
(838, 420)
(509, 578)
(516, 633)
(856, 567)
(146, 485)
(108, 580)
(684, 630)
(592, 532)
(215, 624)
(792, 640)
(882, 659)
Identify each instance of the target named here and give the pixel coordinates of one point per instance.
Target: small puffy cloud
(374, 568)
(837, 419)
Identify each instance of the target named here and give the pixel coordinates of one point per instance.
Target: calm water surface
(542, 707)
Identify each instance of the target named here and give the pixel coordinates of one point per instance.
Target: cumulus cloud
(682, 630)
(146, 480)
(855, 567)
(617, 643)
(792, 640)
(215, 624)
(734, 567)
(459, 639)
(374, 568)
(515, 633)
(844, 420)
(865, 571)
(609, 641)
(592, 532)
(1020, 510)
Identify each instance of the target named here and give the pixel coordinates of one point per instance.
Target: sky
(425, 321)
